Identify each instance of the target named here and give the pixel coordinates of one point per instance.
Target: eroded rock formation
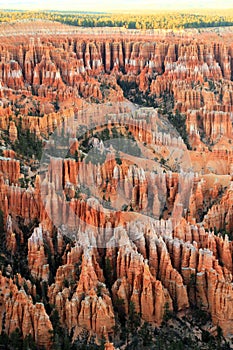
(152, 228)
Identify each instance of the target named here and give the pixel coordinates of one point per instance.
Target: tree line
(156, 20)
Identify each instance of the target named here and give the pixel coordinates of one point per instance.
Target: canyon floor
(116, 188)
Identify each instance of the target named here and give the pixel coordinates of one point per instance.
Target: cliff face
(10, 169)
(89, 305)
(51, 74)
(143, 289)
(37, 260)
(23, 314)
(153, 264)
(153, 226)
(163, 277)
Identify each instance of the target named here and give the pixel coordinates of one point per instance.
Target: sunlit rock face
(151, 223)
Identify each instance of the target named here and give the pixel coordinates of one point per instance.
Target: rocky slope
(120, 217)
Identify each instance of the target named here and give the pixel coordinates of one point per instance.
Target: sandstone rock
(13, 132)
